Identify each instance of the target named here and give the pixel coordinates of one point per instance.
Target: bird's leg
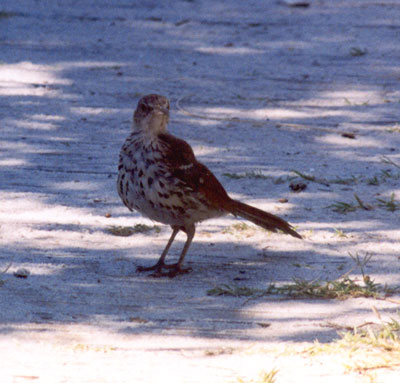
(177, 267)
(161, 262)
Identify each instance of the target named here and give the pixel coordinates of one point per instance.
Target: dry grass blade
(264, 377)
(361, 203)
(387, 160)
(5, 270)
(366, 347)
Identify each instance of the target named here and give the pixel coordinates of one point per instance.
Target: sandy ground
(259, 89)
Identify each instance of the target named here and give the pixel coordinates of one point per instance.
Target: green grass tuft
(233, 291)
(126, 231)
(341, 288)
(343, 207)
(390, 204)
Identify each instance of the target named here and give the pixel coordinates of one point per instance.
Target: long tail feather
(261, 218)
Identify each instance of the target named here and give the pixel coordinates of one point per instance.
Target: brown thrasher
(159, 176)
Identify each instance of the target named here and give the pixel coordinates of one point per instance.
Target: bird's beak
(161, 110)
(165, 111)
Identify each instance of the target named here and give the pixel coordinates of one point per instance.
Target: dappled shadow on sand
(257, 98)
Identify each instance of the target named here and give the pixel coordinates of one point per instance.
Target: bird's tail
(262, 218)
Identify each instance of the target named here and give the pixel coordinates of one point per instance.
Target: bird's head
(152, 114)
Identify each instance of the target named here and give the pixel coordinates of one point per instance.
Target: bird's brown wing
(193, 174)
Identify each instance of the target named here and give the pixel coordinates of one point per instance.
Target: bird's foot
(158, 266)
(176, 269)
(171, 271)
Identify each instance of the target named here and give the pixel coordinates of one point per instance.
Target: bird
(160, 177)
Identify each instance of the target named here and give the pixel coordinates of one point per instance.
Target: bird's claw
(171, 271)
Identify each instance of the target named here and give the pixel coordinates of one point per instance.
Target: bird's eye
(145, 108)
